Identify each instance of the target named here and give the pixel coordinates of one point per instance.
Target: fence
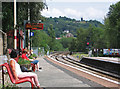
(39, 51)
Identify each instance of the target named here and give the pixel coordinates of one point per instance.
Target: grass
(79, 55)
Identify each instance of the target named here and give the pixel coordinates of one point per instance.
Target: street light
(15, 31)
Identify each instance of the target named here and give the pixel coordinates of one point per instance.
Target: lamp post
(15, 31)
(29, 29)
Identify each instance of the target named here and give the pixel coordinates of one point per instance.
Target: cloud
(73, 13)
(82, 0)
(52, 13)
(88, 14)
(66, 12)
(92, 13)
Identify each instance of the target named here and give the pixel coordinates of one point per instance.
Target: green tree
(112, 26)
(58, 46)
(7, 18)
(73, 45)
(95, 37)
(40, 39)
(22, 13)
(81, 40)
(66, 42)
(51, 34)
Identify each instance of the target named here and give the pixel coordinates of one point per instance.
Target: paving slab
(52, 76)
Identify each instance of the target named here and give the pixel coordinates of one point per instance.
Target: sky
(77, 9)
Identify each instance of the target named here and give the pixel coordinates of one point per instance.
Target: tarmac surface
(52, 76)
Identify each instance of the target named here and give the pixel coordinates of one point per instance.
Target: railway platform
(53, 76)
(107, 64)
(106, 59)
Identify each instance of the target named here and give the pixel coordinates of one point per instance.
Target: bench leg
(32, 85)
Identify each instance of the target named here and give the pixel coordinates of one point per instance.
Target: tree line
(98, 35)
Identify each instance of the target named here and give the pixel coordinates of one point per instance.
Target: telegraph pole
(29, 29)
(15, 30)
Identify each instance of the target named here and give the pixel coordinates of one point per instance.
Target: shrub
(33, 56)
(23, 61)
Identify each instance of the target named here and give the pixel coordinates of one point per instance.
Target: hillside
(62, 24)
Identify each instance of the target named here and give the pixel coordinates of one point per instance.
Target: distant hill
(62, 24)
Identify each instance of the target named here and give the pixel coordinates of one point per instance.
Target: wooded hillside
(62, 24)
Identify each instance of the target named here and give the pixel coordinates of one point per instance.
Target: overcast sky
(87, 9)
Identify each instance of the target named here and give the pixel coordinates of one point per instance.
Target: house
(66, 31)
(58, 38)
(69, 35)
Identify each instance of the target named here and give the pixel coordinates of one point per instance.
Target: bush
(23, 61)
(33, 56)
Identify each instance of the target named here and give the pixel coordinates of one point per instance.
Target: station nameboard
(34, 26)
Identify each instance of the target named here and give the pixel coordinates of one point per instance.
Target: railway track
(62, 57)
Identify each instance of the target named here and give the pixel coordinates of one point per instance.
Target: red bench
(12, 78)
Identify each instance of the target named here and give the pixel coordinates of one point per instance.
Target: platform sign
(31, 33)
(34, 26)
